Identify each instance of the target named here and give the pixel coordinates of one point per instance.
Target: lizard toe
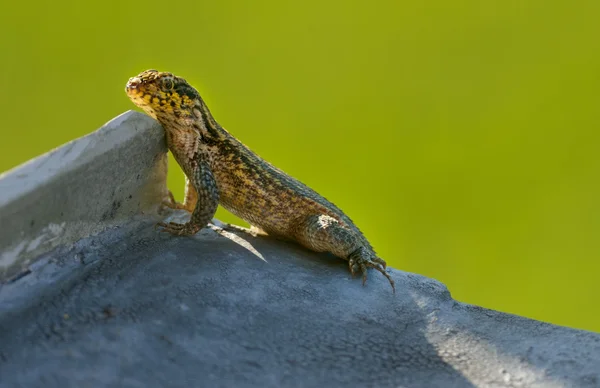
(379, 260)
(358, 262)
(363, 269)
(354, 266)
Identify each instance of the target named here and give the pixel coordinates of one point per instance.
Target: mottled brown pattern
(221, 170)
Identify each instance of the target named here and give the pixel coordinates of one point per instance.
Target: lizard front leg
(323, 233)
(202, 194)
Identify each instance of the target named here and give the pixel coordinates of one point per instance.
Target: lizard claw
(359, 262)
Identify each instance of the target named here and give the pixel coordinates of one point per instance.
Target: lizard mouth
(133, 84)
(136, 89)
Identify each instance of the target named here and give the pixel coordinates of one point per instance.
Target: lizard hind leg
(323, 233)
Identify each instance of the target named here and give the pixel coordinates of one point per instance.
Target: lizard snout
(133, 83)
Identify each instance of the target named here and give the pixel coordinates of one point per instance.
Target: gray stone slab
(109, 301)
(80, 189)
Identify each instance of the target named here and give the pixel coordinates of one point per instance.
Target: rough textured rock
(130, 306)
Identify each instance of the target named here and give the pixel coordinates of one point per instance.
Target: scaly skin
(221, 170)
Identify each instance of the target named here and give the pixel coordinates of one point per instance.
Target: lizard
(219, 169)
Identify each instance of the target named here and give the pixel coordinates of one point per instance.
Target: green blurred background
(461, 136)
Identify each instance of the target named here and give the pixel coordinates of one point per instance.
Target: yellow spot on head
(157, 94)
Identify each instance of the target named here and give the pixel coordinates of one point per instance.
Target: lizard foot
(186, 229)
(359, 261)
(171, 203)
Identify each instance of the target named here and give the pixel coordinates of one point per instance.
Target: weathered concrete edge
(81, 188)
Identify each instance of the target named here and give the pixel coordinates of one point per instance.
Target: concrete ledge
(80, 189)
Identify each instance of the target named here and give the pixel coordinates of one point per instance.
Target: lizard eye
(167, 83)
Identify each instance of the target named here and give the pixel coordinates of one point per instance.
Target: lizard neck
(209, 131)
(193, 134)
(191, 120)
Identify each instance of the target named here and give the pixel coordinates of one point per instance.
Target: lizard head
(164, 96)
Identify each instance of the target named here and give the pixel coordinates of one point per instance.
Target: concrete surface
(129, 306)
(80, 189)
